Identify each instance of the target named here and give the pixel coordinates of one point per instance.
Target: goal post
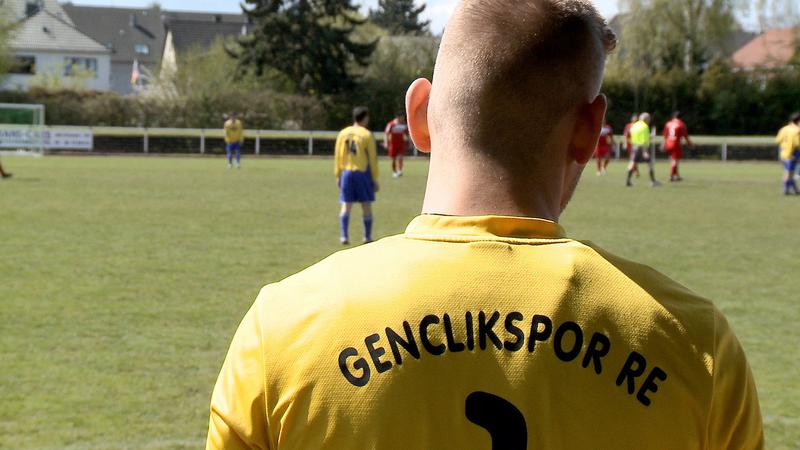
(22, 127)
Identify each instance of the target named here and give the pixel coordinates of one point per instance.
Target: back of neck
(466, 187)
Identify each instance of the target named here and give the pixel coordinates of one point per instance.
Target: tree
(311, 42)
(400, 17)
(665, 34)
(397, 61)
(7, 27)
(776, 13)
(203, 86)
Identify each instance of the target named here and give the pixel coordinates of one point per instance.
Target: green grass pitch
(123, 279)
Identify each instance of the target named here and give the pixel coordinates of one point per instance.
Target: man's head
(233, 116)
(401, 117)
(635, 117)
(361, 115)
(645, 117)
(795, 118)
(676, 115)
(516, 87)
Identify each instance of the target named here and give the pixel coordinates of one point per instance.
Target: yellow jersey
(789, 140)
(355, 151)
(640, 134)
(234, 131)
(480, 333)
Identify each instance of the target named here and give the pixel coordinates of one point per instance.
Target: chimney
(133, 22)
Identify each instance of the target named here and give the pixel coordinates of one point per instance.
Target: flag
(135, 73)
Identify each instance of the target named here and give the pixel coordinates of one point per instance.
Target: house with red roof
(771, 50)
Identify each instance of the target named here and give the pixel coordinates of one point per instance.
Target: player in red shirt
(674, 131)
(628, 144)
(603, 151)
(396, 140)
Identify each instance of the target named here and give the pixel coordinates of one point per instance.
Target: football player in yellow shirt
(789, 140)
(492, 329)
(234, 137)
(356, 170)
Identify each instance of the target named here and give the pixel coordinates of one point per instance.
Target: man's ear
(417, 99)
(587, 129)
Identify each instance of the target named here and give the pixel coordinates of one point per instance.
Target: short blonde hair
(508, 70)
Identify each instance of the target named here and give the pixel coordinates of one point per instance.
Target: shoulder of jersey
(676, 298)
(339, 269)
(334, 274)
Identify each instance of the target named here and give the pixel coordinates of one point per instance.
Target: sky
(437, 11)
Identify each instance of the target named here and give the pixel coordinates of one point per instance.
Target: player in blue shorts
(234, 136)
(356, 170)
(789, 140)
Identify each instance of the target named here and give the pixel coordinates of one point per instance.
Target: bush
(396, 63)
(717, 101)
(262, 110)
(720, 101)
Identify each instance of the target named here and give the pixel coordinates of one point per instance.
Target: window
(76, 65)
(23, 65)
(142, 49)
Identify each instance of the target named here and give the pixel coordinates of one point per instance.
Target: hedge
(717, 102)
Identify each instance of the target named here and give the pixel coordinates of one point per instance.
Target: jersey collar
(437, 227)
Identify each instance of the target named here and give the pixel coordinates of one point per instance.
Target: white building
(97, 47)
(131, 34)
(48, 50)
(151, 37)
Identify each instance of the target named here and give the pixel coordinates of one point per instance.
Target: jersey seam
(470, 239)
(264, 382)
(713, 381)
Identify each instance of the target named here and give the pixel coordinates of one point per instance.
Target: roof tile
(770, 50)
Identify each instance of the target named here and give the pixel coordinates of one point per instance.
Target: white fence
(285, 142)
(203, 136)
